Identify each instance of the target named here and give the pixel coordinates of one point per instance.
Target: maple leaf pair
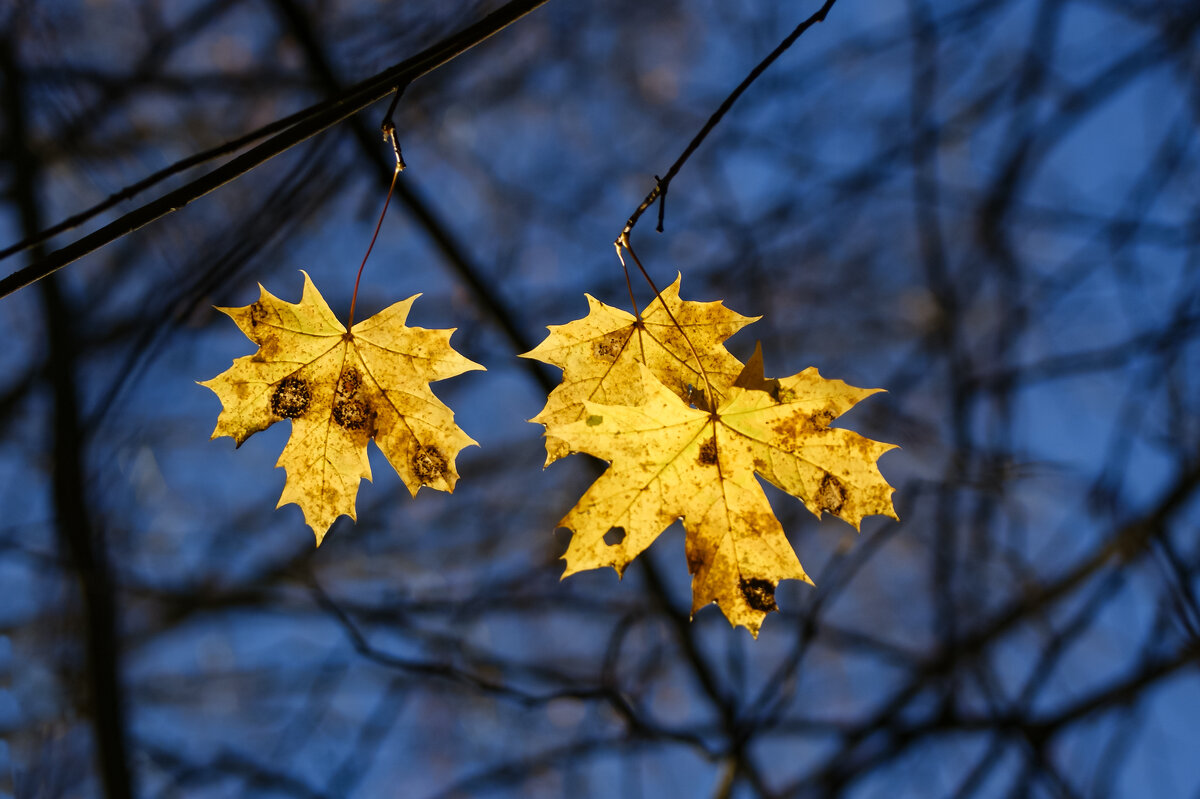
(683, 423)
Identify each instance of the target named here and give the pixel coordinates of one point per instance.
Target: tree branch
(79, 540)
(308, 123)
(662, 184)
(451, 248)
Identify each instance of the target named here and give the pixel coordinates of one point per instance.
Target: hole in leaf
(614, 536)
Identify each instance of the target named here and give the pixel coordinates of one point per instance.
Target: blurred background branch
(987, 208)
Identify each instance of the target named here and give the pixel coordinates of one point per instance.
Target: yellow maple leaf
(669, 461)
(341, 389)
(599, 356)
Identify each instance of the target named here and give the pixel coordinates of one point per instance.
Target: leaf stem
(623, 242)
(389, 132)
(628, 283)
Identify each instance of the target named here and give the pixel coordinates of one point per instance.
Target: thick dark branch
(113, 90)
(80, 542)
(134, 189)
(454, 251)
(308, 123)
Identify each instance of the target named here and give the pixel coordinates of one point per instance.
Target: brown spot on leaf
(268, 350)
(349, 410)
(708, 452)
(831, 496)
(614, 536)
(759, 594)
(291, 398)
(429, 464)
(349, 382)
(351, 414)
(609, 346)
(795, 427)
(257, 314)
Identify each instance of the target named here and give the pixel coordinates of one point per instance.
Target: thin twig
(389, 132)
(454, 252)
(308, 123)
(662, 184)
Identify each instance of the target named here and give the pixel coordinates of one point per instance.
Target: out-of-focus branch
(659, 192)
(227, 762)
(79, 541)
(306, 124)
(736, 734)
(1125, 542)
(112, 90)
(451, 248)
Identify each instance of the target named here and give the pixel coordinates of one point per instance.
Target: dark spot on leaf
(796, 426)
(594, 420)
(785, 395)
(257, 314)
(614, 536)
(349, 382)
(759, 594)
(609, 346)
(428, 464)
(708, 452)
(291, 398)
(792, 427)
(351, 414)
(831, 496)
